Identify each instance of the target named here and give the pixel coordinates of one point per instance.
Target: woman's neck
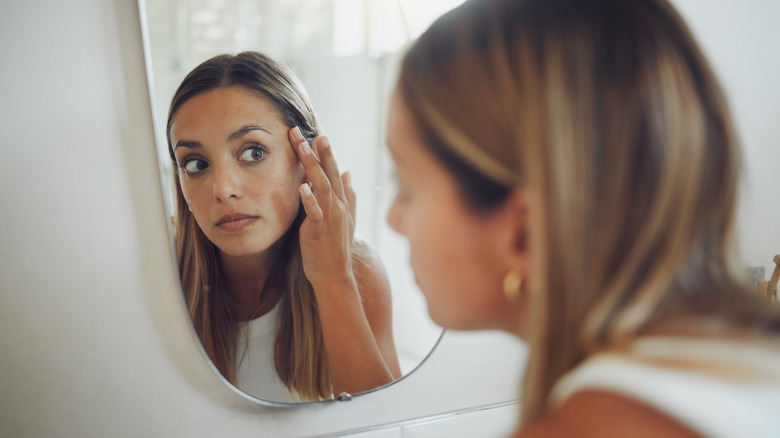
(246, 278)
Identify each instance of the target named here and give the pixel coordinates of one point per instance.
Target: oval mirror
(345, 52)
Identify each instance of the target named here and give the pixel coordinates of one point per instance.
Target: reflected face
(237, 169)
(453, 250)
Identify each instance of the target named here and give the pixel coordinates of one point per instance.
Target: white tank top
(256, 370)
(720, 389)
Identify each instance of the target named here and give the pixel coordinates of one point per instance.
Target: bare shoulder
(604, 414)
(374, 288)
(369, 272)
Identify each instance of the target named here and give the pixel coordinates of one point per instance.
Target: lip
(236, 222)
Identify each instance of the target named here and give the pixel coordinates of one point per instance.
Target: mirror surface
(346, 53)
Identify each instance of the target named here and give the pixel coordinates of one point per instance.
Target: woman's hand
(329, 200)
(354, 305)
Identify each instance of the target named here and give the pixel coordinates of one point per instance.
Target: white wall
(94, 339)
(741, 39)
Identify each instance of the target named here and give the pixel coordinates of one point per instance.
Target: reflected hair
(299, 352)
(609, 113)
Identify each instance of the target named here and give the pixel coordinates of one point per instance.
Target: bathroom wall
(94, 340)
(741, 40)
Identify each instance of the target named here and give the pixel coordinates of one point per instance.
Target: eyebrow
(187, 144)
(242, 131)
(238, 133)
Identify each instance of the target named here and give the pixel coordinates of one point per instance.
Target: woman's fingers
(328, 163)
(323, 211)
(310, 204)
(319, 180)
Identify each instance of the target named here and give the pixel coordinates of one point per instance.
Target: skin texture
(459, 257)
(237, 157)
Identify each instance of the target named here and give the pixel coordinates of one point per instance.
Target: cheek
(284, 198)
(290, 197)
(289, 178)
(193, 197)
(439, 254)
(440, 267)
(295, 177)
(293, 167)
(433, 246)
(455, 266)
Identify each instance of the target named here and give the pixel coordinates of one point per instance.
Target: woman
(286, 303)
(568, 173)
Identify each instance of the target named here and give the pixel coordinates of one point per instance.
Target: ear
(514, 221)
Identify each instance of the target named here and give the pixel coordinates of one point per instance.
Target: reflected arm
(351, 289)
(356, 318)
(374, 288)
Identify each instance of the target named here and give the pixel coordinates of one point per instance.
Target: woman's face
(457, 255)
(237, 169)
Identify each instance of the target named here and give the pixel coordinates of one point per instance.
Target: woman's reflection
(287, 304)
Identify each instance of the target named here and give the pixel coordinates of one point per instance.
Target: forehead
(403, 135)
(226, 108)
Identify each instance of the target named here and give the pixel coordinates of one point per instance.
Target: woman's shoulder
(369, 271)
(604, 414)
(677, 378)
(363, 250)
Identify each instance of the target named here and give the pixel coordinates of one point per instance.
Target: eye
(193, 165)
(253, 153)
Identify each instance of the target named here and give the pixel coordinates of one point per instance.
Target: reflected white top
(718, 388)
(256, 370)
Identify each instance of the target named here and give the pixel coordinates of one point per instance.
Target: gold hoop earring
(513, 282)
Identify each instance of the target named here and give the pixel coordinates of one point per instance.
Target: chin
(240, 250)
(464, 319)
(449, 320)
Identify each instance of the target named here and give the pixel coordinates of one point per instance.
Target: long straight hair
(609, 112)
(299, 351)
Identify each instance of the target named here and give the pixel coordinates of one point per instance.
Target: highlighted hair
(609, 113)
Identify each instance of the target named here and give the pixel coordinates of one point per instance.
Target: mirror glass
(346, 53)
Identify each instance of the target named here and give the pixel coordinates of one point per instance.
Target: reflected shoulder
(369, 271)
(374, 288)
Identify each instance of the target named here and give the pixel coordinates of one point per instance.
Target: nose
(226, 183)
(394, 217)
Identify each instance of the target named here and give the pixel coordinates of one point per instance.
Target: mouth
(234, 222)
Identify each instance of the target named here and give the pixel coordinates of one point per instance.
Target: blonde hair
(299, 351)
(609, 112)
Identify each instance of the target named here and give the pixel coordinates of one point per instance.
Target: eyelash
(254, 146)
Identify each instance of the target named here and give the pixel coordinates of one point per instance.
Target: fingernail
(324, 142)
(306, 189)
(348, 178)
(304, 148)
(297, 134)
